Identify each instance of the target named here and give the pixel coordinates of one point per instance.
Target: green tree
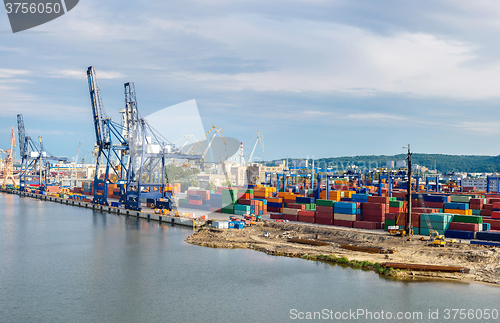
(211, 186)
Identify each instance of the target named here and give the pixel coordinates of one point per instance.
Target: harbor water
(61, 263)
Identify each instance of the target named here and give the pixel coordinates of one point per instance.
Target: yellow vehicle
(438, 243)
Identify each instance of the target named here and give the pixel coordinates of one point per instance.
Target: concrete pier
(193, 223)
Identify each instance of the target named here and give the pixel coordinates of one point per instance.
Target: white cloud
(479, 127)
(11, 73)
(375, 117)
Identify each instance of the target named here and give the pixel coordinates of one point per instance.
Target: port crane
(140, 152)
(8, 169)
(105, 131)
(35, 161)
(259, 138)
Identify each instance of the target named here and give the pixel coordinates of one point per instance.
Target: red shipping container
(437, 205)
(378, 199)
(373, 212)
(308, 219)
(289, 217)
(496, 205)
(394, 209)
(244, 202)
(390, 216)
(306, 213)
(495, 215)
(476, 201)
(475, 206)
(274, 209)
(196, 202)
(487, 206)
(374, 218)
(464, 226)
(296, 206)
(275, 216)
(486, 212)
(324, 209)
(323, 221)
(492, 200)
(373, 206)
(495, 224)
(343, 223)
(366, 225)
(415, 223)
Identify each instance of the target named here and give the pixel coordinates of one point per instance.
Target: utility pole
(409, 229)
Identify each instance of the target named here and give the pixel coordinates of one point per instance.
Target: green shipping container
(396, 204)
(435, 225)
(242, 207)
(389, 223)
(468, 219)
(324, 202)
(476, 212)
(460, 198)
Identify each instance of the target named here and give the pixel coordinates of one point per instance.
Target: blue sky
(317, 78)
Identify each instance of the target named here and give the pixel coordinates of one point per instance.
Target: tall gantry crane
(105, 130)
(35, 161)
(260, 138)
(8, 169)
(141, 152)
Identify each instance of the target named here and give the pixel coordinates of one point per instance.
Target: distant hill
(443, 163)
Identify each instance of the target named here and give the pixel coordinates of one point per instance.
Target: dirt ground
(483, 261)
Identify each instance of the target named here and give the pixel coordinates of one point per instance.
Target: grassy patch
(377, 267)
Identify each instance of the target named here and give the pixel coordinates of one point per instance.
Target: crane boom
(22, 136)
(8, 170)
(102, 133)
(259, 138)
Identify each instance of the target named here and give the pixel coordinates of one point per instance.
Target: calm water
(66, 264)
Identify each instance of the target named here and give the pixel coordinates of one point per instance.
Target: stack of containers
(290, 209)
(290, 214)
(261, 192)
(332, 195)
(194, 200)
(344, 214)
(88, 188)
(307, 201)
(245, 193)
(243, 209)
(438, 221)
(275, 204)
(215, 202)
(373, 212)
(229, 197)
(306, 208)
(464, 227)
(395, 216)
(113, 191)
(436, 201)
(476, 204)
(324, 212)
(495, 211)
(457, 208)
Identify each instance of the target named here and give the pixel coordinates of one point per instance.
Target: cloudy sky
(317, 78)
